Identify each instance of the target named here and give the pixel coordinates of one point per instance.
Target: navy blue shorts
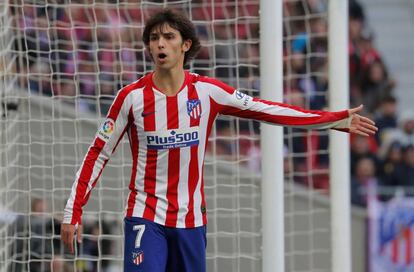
(151, 247)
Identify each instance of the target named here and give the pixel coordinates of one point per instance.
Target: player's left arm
(236, 103)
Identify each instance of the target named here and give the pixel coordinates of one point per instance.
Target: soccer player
(168, 115)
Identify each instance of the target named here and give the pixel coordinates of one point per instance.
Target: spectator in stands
(375, 85)
(39, 78)
(318, 43)
(35, 239)
(94, 247)
(391, 172)
(42, 229)
(404, 133)
(356, 24)
(363, 178)
(362, 147)
(305, 146)
(408, 169)
(106, 91)
(386, 117)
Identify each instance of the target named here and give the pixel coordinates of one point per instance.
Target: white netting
(307, 165)
(68, 60)
(64, 61)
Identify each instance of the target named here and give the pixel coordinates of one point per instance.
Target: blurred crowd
(37, 247)
(386, 160)
(83, 54)
(90, 51)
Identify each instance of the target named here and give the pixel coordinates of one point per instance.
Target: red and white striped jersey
(168, 137)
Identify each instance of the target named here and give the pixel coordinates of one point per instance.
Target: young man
(168, 115)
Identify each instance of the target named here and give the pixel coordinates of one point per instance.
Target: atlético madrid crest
(194, 108)
(138, 257)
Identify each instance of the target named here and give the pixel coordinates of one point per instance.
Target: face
(409, 156)
(355, 28)
(376, 72)
(167, 47)
(365, 169)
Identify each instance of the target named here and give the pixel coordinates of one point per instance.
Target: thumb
(355, 110)
(79, 234)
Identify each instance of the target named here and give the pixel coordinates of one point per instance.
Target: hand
(67, 232)
(361, 125)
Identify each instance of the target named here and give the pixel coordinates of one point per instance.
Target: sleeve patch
(106, 129)
(243, 100)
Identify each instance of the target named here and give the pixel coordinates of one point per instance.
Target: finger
(79, 234)
(355, 110)
(366, 130)
(68, 240)
(370, 127)
(70, 245)
(367, 120)
(67, 237)
(359, 132)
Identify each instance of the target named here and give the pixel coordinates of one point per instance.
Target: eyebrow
(162, 33)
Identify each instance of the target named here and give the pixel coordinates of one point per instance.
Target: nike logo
(145, 114)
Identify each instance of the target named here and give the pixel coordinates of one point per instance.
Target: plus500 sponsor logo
(172, 139)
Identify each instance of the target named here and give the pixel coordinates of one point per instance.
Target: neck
(169, 81)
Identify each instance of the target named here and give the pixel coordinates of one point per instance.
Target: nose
(161, 42)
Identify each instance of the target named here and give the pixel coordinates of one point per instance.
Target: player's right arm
(103, 145)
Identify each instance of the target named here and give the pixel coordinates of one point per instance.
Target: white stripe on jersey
(182, 189)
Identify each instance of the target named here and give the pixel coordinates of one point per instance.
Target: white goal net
(62, 62)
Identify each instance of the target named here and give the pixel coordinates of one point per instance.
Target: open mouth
(162, 56)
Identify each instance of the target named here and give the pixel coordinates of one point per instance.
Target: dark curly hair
(178, 21)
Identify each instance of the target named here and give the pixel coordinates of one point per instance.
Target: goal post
(271, 71)
(339, 142)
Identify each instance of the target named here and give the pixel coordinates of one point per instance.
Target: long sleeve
(104, 144)
(233, 102)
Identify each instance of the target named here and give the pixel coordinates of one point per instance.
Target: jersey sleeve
(104, 144)
(230, 101)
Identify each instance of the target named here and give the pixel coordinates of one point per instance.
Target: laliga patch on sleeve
(242, 100)
(106, 129)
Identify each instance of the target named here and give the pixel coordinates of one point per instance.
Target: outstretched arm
(229, 101)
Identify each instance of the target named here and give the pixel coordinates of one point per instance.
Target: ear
(186, 45)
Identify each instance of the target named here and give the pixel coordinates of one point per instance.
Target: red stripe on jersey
(173, 165)
(84, 178)
(151, 160)
(324, 117)
(120, 98)
(134, 141)
(193, 175)
(217, 83)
